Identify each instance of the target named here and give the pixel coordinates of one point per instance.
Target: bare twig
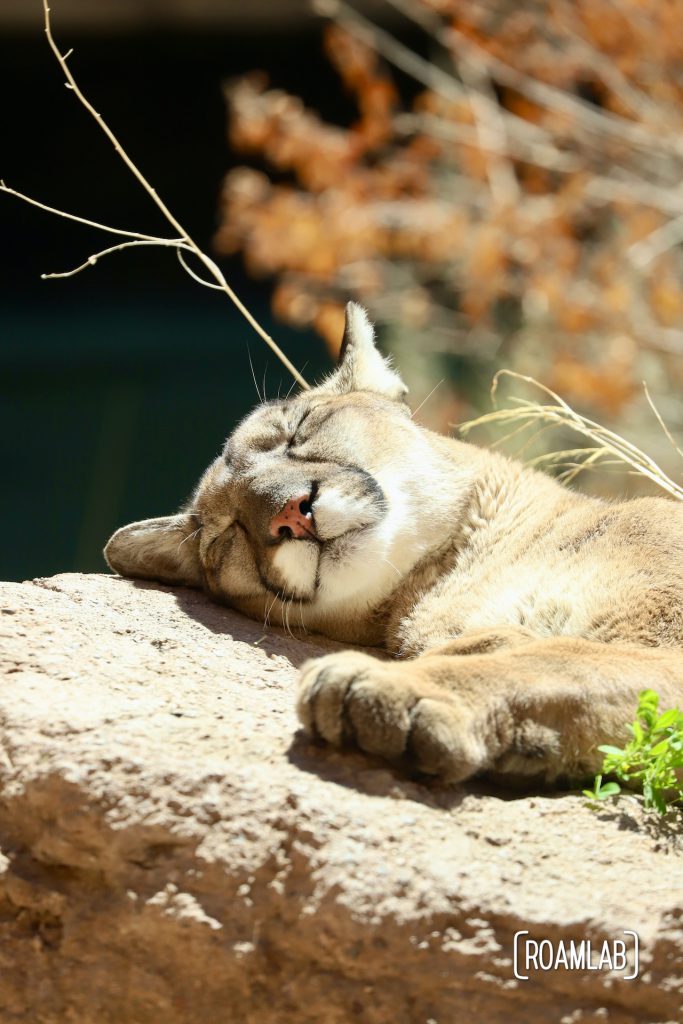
(519, 139)
(188, 270)
(597, 188)
(517, 147)
(490, 127)
(608, 190)
(402, 57)
(637, 100)
(658, 242)
(184, 241)
(439, 81)
(582, 114)
(92, 260)
(82, 220)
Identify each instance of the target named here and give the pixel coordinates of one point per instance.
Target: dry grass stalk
(608, 449)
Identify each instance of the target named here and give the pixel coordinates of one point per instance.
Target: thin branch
(587, 117)
(599, 188)
(62, 59)
(383, 42)
(637, 100)
(490, 128)
(608, 190)
(548, 96)
(82, 220)
(186, 267)
(92, 260)
(434, 78)
(185, 239)
(518, 148)
(656, 243)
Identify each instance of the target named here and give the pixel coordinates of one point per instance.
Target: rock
(174, 850)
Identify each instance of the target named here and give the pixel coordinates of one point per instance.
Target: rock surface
(173, 850)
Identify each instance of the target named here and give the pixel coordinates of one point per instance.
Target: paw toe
(442, 741)
(323, 690)
(353, 699)
(377, 713)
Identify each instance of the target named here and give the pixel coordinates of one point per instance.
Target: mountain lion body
(524, 618)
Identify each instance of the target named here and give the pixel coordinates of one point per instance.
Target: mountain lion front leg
(529, 708)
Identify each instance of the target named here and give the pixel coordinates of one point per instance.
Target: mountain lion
(523, 618)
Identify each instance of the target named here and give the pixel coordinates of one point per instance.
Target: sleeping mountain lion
(523, 618)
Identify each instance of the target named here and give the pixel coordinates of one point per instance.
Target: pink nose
(295, 519)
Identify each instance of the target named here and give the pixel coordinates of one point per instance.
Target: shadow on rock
(224, 621)
(665, 829)
(372, 776)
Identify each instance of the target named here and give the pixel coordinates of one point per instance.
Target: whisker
(301, 616)
(289, 608)
(293, 384)
(266, 621)
(189, 537)
(285, 617)
(415, 411)
(253, 375)
(384, 558)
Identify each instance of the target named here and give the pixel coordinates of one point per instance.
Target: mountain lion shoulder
(523, 618)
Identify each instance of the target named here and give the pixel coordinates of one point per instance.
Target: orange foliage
(525, 203)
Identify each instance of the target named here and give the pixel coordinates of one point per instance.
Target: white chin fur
(296, 562)
(377, 558)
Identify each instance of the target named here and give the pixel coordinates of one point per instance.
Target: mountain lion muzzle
(523, 618)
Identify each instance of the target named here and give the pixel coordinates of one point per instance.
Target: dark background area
(119, 385)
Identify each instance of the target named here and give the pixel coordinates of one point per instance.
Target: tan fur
(524, 618)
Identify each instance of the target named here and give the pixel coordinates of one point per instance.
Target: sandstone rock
(174, 851)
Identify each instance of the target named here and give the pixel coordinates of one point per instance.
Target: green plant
(651, 758)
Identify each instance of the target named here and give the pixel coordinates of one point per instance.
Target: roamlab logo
(614, 955)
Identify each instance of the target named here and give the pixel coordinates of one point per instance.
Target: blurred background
(500, 183)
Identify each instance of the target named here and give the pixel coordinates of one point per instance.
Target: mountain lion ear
(361, 366)
(164, 549)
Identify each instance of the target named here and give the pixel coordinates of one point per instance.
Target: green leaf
(671, 717)
(609, 789)
(638, 734)
(650, 759)
(647, 699)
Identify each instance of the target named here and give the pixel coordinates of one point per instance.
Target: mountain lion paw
(385, 708)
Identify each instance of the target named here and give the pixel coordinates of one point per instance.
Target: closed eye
(297, 440)
(294, 437)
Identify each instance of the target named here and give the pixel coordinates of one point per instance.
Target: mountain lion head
(317, 506)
